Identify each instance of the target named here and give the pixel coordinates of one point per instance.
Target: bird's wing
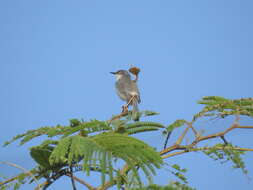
(127, 89)
(121, 90)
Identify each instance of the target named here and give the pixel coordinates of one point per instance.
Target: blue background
(55, 59)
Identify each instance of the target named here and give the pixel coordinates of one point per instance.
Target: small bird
(127, 89)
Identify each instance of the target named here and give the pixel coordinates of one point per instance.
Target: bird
(127, 89)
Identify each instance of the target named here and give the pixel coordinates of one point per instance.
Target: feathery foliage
(104, 146)
(176, 124)
(75, 126)
(225, 153)
(94, 144)
(171, 186)
(222, 107)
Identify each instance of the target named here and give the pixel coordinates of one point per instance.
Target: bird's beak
(113, 73)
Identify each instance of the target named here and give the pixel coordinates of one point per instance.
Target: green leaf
(227, 153)
(132, 131)
(141, 124)
(41, 156)
(149, 113)
(102, 148)
(176, 124)
(175, 166)
(74, 122)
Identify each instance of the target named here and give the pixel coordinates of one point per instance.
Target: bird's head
(120, 73)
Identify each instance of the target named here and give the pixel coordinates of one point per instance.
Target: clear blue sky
(55, 59)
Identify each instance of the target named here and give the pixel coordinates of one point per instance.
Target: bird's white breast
(132, 93)
(118, 77)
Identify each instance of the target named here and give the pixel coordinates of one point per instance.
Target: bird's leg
(124, 109)
(131, 100)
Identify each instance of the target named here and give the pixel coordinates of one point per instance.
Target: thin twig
(187, 148)
(72, 179)
(41, 185)
(81, 181)
(11, 179)
(180, 139)
(166, 140)
(53, 178)
(224, 140)
(124, 112)
(196, 141)
(108, 184)
(118, 116)
(244, 127)
(193, 129)
(23, 169)
(202, 149)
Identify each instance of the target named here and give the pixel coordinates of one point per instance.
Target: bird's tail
(135, 111)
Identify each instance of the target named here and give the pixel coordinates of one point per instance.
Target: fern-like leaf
(101, 149)
(176, 124)
(136, 130)
(84, 127)
(141, 124)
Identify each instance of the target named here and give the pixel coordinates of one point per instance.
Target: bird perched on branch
(127, 89)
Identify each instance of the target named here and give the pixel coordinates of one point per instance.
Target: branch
(27, 172)
(202, 149)
(224, 140)
(177, 145)
(167, 138)
(81, 181)
(11, 179)
(193, 129)
(53, 178)
(185, 149)
(41, 185)
(50, 182)
(47, 183)
(108, 184)
(180, 139)
(189, 125)
(122, 114)
(72, 179)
